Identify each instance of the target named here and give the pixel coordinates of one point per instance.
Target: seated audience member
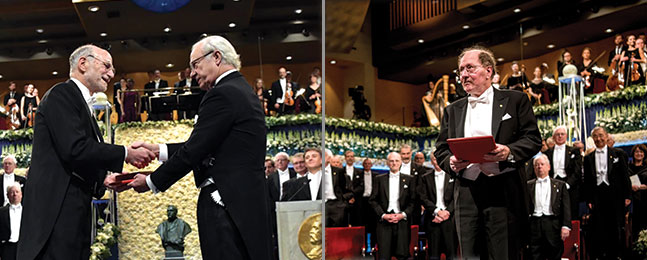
(9, 177)
(392, 201)
(550, 219)
(10, 216)
(638, 169)
(436, 189)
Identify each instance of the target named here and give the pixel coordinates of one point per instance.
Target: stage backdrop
(139, 214)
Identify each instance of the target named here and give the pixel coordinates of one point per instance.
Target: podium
(298, 225)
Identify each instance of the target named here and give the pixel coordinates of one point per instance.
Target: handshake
(140, 154)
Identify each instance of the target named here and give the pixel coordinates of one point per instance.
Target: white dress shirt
(601, 165)
(439, 177)
(315, 181)
(15, 216)
(8, 179)
(542, 197)
(329, 193)
(163, 156)
(283, 177)
(368, 184)
(559, 153)
(406, 168)
(283, 83)
(394, 192)
(350, 170)
(157, 83)
(478, 122)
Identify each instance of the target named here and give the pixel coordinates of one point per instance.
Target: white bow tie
(474, 100)
(545, 180)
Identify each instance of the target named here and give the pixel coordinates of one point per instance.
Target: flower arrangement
(106, 238)
(640, 246)
(623, 118)
(604, 98)
(12, 135)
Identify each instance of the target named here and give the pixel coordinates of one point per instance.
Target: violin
(615, 80)
(31, 116)
(288, 100)
(318, 106)
(11, 111)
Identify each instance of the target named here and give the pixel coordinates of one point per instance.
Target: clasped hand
(140, 154)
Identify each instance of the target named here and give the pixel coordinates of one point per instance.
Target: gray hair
(218, 43)
(486, 57)
(13, 185)
(541, 156)
(280, 154)
(599, 128)
(82, 51)
(559, 127)
(10, 157)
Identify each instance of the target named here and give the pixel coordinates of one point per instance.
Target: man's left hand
(627, 202)
(139, 183)
(111, 182)
(565, 233)
(500, 153)
(351, 201)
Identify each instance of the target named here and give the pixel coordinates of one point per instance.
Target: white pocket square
(572, 156)
(506, 117)
(405, 186)
(451, 180)
(615, 160)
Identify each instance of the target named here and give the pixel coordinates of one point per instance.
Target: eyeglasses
(468, 68)
(107, 65)
(196, 61)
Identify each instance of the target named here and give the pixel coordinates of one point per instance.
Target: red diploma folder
(125, 178)
(471, 149)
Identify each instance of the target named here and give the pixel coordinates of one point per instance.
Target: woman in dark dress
(633, 56)
(538, 88)
(313, 94)
(567, 59)
(27, 102)
(518, 80)
(588, 70)
(129, 102)
(639, 167)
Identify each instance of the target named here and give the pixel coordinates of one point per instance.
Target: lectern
(299, 229)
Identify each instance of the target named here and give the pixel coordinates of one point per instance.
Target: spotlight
(550, 46)
(499, 59)
(465, 27)
(170, 65)
(608, 30)
(167, 29)
(93, 8)
(103, 34)
(54, 73)
(42, 41)
(40, 30)
(288, 57)
(298, 11)
(232, 25)
(421, 41)
(517, 10)
(333, 62)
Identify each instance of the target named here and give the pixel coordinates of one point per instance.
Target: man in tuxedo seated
(550, 219)
(392, 201)
(10, 217)
(354, 178)
(607, 190)
(436, 189)
(9, 178)
(566, 165)
(299, 165)
(309, 186)
(153, 86)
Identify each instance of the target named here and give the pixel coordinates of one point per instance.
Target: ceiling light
(170, 65)
(0, 76)
(288, 57)
(525, 43)
(93, 8)
(54, 73)
(333, 62)
(550, 46)
(167, 29)
(103, 34)
(465, 27)
(42, 41)
(232, 25)
(298, 11)
(297, 22)
(608, 30)
(499, 59)
(40, 30)
(421, 41)
(517, 10)
(236, 0)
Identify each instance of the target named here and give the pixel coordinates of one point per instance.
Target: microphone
(299, 190)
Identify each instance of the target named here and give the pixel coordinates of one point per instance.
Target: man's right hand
(155, 148)
(139, 157)
(457, 165)
(277, 105)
